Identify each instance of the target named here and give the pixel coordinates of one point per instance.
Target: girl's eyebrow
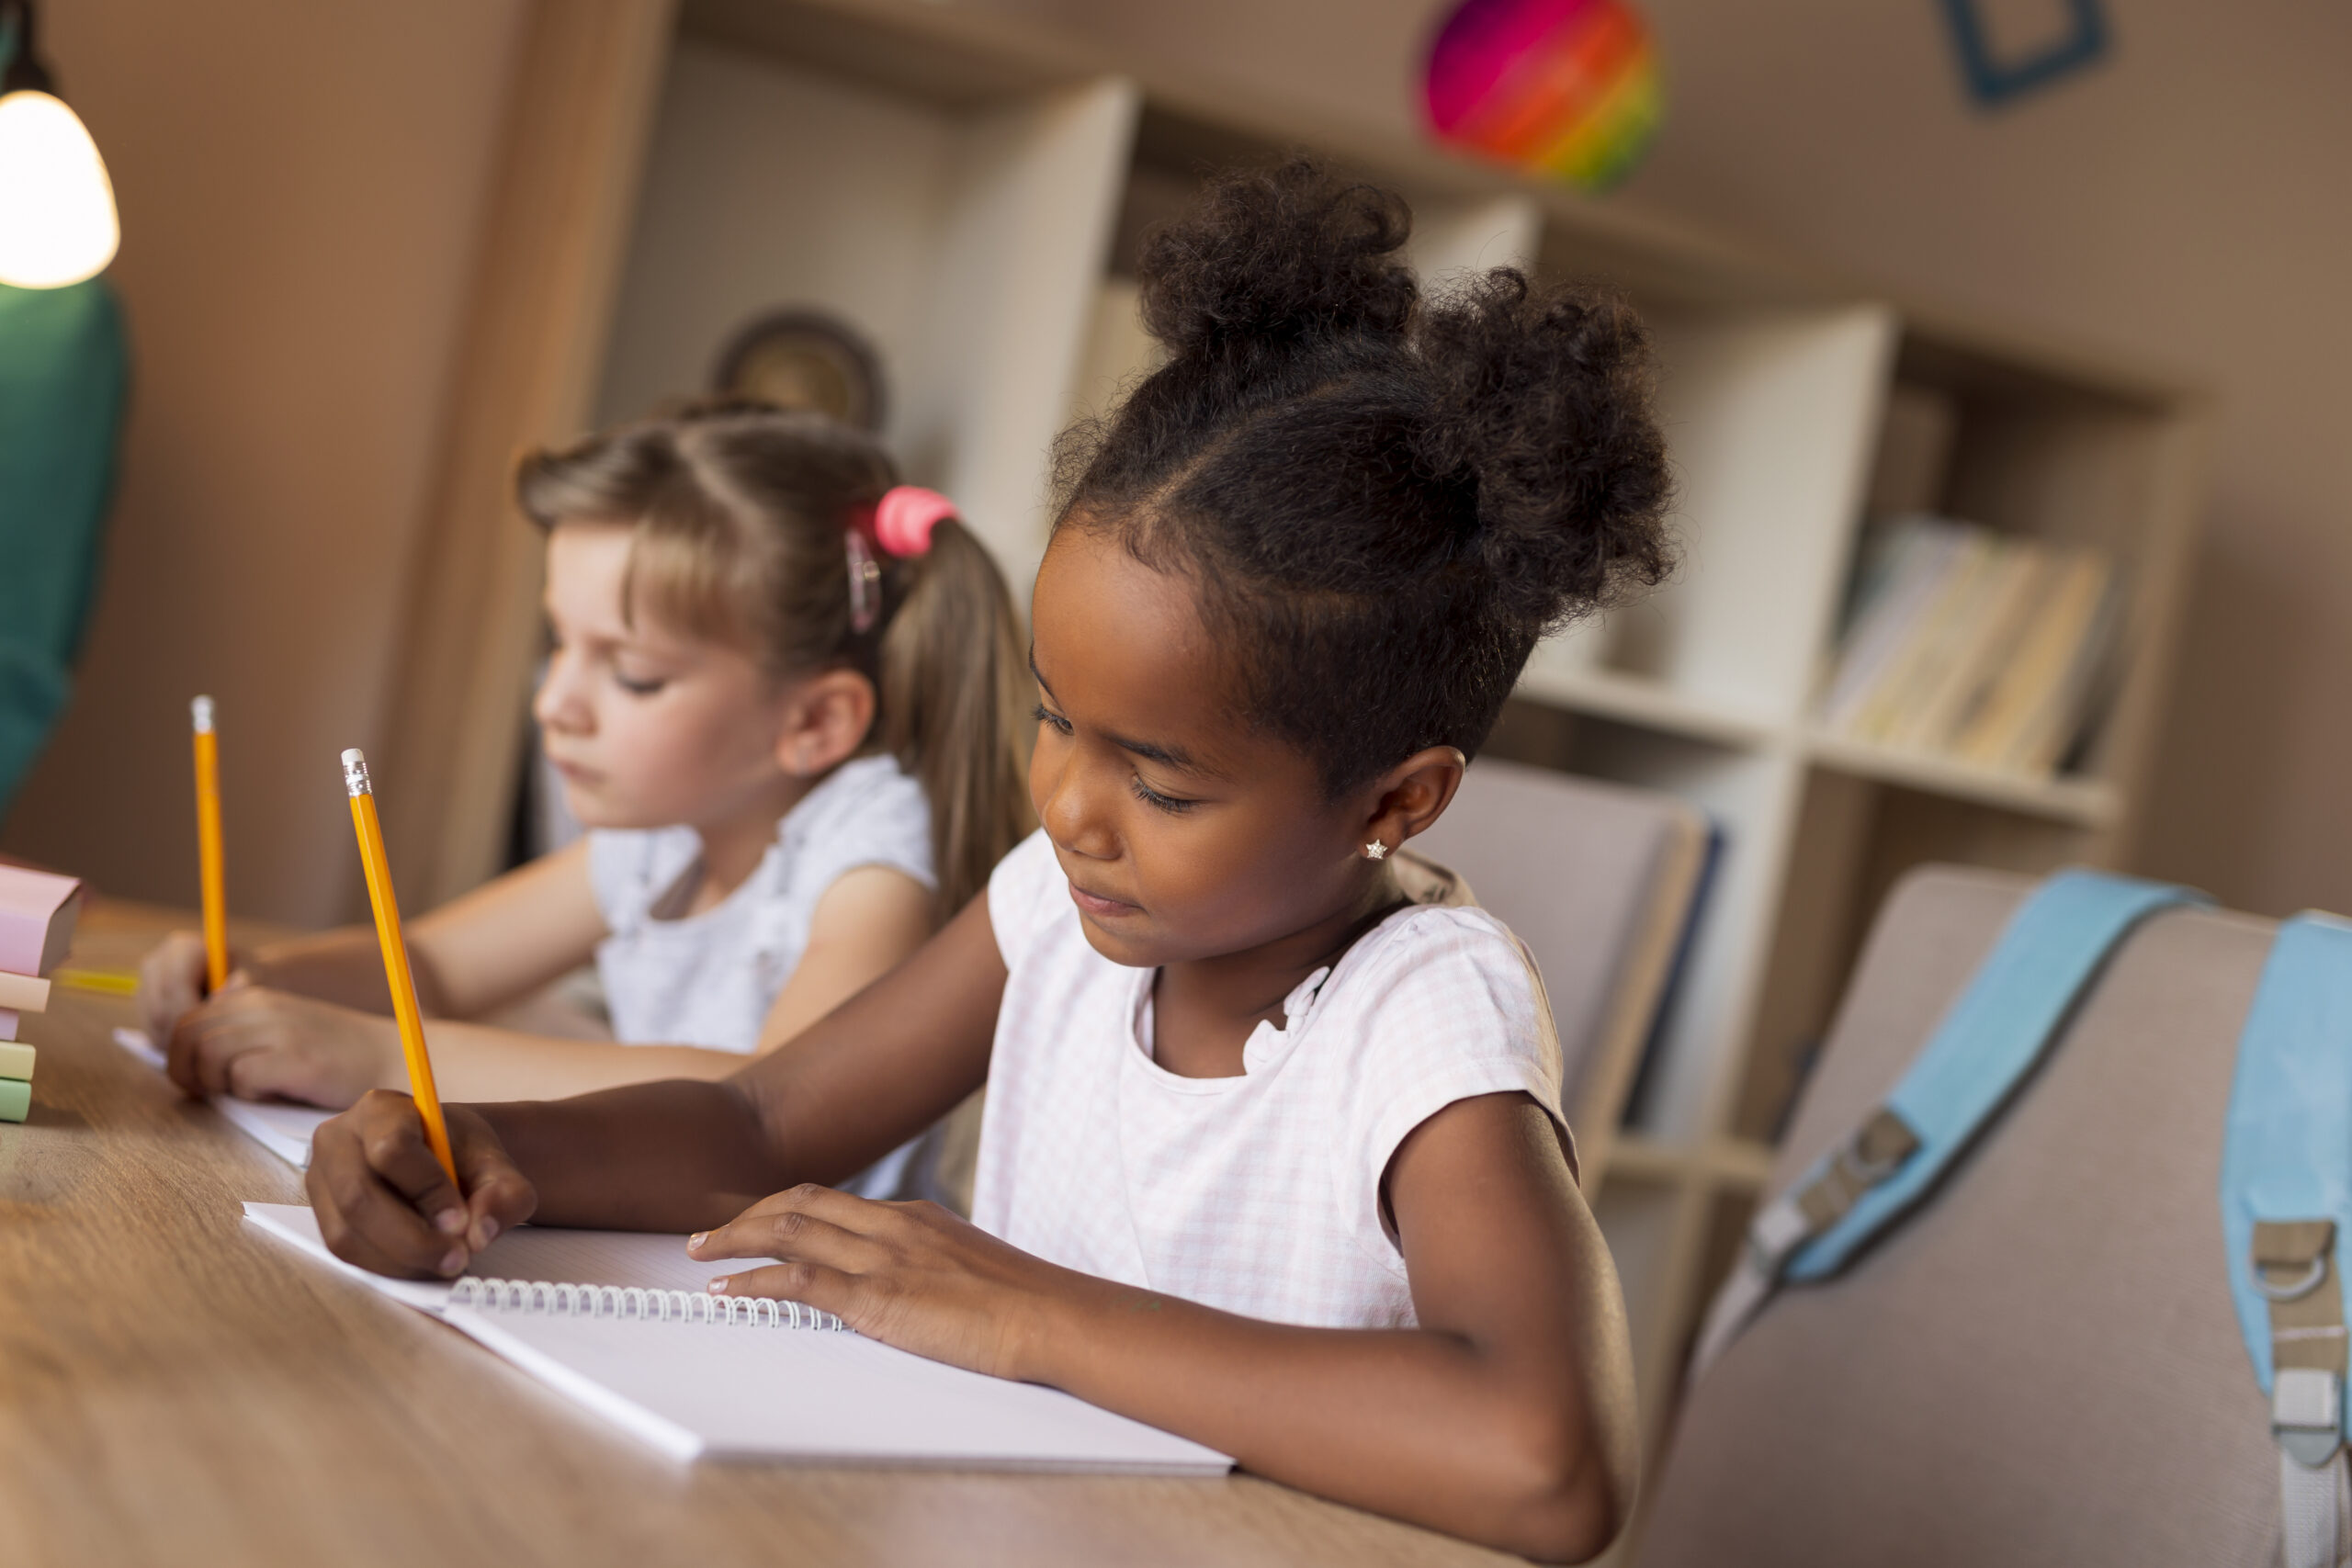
(1166, 756)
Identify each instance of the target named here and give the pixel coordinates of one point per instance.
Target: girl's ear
(827, 717)
(1413, 795)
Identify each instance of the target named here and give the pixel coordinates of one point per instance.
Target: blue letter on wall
(1992, 80)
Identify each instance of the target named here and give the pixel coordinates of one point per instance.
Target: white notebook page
(740, 1392)
(747, 1391)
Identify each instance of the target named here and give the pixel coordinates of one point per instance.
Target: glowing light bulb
(57, 219)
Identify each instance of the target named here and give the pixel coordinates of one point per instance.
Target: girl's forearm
(1417, 1424)
(344, 967)
(482, 1062)
(676, 1155)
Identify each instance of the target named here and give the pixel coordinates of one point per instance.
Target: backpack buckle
(2307, 1413)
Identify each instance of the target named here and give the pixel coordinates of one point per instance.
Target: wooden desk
(174, 1391)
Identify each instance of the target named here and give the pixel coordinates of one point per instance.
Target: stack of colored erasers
(37, 912)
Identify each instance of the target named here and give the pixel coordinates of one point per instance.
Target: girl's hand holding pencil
(385, 1201)
(173, 981)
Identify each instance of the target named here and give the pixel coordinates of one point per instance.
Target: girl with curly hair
(1273, 1156)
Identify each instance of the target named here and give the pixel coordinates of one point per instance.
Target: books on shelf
(1975, 645)
(37, 913)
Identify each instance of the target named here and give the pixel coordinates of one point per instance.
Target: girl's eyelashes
(639, 688)
(1174, 805)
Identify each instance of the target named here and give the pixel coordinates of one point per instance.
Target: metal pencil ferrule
(354, 773)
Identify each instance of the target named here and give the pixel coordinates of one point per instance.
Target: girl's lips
(1098, 907)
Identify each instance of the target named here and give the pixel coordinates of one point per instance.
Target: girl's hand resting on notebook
(383, 1202)
(912, 1275)
(258, 1043)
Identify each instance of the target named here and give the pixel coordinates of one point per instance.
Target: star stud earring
(1375, 850)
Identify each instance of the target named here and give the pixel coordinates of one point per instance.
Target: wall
(301, 185)
(2181, 202)
(302, 189)
(722, 233)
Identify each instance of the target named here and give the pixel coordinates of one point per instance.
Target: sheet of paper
(539, 1253)
(284, 1130)
(739, 1391)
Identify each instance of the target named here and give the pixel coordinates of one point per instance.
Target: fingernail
(455, 1261)
(718, 1286)
(488, 1231)
(449, 1222)
(694, 1242)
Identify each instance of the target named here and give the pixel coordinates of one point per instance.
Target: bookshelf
(971, 192)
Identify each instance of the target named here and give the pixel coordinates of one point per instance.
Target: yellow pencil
(207, 845)
(103, 982)
(396, 971)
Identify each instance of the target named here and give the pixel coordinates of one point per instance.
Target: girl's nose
(1070, 809)
(557, 705)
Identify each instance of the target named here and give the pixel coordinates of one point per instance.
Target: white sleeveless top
(709, 979)
(1258, 1194)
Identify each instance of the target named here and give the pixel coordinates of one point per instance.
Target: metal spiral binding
(636, 1302)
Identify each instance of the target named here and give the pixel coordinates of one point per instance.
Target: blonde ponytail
(954, 683)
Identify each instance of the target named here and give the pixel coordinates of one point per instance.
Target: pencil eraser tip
(201, 709)
(355, 756)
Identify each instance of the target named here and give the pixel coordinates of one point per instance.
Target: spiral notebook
(620, 1324)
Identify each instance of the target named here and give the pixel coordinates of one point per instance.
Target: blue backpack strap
(2287, 1218)
(2014, 1008)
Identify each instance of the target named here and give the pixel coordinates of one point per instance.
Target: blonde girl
(782, 700)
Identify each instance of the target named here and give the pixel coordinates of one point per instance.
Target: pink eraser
(37, 912)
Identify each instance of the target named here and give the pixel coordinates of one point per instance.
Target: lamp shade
(57, 218)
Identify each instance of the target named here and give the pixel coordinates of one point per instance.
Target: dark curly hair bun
(1274, 260)
(1384, 499)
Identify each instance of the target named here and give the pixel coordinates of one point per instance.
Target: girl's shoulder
(868, 811)
(1437, 1003)
(1441, 924)
(1441, 946)
(1442, 979)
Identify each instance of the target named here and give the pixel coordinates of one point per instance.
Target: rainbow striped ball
(1567, 88)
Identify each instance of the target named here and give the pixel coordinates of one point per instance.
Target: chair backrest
(2041, 1366)
(1597, 880)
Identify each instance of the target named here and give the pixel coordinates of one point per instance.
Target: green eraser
(16, 1061)
(15, 1099)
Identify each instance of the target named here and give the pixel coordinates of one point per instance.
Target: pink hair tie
(905, 516)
